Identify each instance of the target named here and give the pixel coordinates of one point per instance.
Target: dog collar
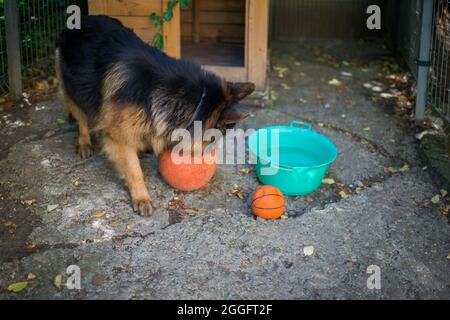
(197, 109)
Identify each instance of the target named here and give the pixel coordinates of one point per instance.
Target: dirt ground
(57, 210)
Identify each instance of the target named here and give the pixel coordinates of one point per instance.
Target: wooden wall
(244, 21)
(133, 14)
(321, 19)
(220, 20)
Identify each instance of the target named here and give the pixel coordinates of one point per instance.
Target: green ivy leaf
(184, 4)
(18, 286)
(171, 5)
(168, 15)
(158, 40)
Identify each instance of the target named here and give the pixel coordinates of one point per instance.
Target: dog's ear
(239, 90)
(233, 114)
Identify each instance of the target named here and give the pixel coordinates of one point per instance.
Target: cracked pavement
(57, 210)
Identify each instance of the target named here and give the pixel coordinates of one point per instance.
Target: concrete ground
(57, 210)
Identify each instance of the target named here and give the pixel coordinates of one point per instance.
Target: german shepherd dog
(133, 96)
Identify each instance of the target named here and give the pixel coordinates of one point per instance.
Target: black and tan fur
(133, 96)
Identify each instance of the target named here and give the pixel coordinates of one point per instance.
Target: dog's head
(214, 104)
(232, 111)
(226, 112)
(222, 109)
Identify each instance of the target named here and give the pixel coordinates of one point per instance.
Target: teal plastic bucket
(292, 158)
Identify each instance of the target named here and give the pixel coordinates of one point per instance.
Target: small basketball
(187, 176)
(268, 202)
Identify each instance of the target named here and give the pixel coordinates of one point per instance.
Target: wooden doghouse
(228, 37)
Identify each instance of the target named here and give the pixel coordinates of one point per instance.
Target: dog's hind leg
(84, 139)
(125, 159)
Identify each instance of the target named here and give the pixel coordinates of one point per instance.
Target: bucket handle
(301, 124)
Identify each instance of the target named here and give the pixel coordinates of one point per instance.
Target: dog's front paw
(85, 150)
(143, 207)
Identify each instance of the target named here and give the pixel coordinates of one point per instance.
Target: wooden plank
(247, 3)
(213, 17)
(195, 16)
(222, 5)
(136, 8)
(235, 74)
(215, 31)
(172, 33)
(258, 20)
(142, 26)
(96, 7)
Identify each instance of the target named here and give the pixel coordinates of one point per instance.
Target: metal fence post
(13, 49)
(423, 61)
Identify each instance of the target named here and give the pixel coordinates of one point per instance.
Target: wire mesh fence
(40, 22)
(3, 70)
(439, 84)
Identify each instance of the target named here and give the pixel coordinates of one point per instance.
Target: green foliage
(167, 15)
(40, 24)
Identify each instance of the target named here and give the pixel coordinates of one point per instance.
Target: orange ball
(268, 202)
(187, 177)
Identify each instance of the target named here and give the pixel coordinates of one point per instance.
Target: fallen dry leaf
(60, 121)
(280, 71)
(328, 181)
(28, 202)
(17, 287)
(31, 276)
(285, 86)
(308, 250)
(114, 224)
(58, 281)
(303, 100)
(273, 95)
(8, 223)
(98, 280)
(31, 245)
(445, 210)
(334, 82)
(237, 191)
(390, 170)
(244, 171)
(41, 85)
(436, 199)
(343, 194)
(98, 213)
(52, 207)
